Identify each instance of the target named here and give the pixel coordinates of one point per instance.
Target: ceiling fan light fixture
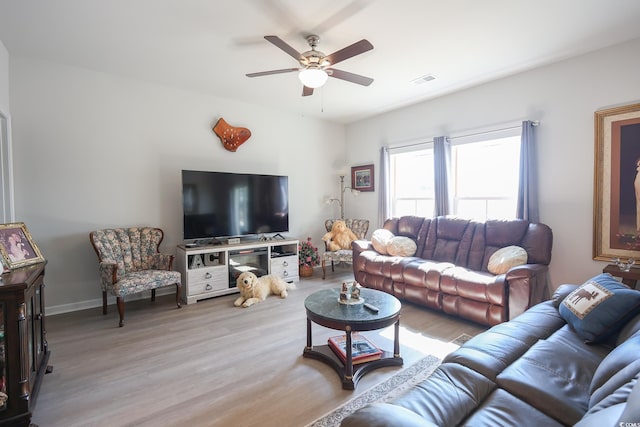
(313, 77)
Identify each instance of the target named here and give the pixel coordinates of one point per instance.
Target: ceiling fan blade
(350, 77)
(355, 49)
(281, 15)
(306, 91)
(268, 73)
(338, 17)
(278, 42)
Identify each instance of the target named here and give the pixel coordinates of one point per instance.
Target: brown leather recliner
(449, 271)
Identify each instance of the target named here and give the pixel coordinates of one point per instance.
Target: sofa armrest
(162, 261)
(108, 274)
(359, 246)
(561, 293)
(527, 287)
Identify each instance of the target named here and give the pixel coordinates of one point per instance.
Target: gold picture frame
(616, 216)
(17, 247)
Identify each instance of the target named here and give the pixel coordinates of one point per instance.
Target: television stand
(210, 270)
(201, 243)
(277, 236)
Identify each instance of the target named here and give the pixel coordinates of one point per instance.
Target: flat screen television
(223, 204)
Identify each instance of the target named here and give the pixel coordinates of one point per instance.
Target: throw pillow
(380, 239)
(402, 246)
(505, 258)
(599, 307)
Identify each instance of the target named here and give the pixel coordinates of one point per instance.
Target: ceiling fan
(316, 67)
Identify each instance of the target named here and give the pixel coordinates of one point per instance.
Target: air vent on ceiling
(423, 79)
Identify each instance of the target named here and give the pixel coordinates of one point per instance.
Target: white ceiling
(209, 46)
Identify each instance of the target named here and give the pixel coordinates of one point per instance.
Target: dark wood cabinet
(24, 352)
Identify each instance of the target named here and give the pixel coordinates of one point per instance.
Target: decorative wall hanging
(362, 178)
(616, 201)
(232, 137)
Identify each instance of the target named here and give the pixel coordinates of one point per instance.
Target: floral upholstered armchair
(130, 263)
(359, 228)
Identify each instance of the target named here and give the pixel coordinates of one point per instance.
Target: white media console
(210, 271)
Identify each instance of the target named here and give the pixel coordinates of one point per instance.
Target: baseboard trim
(111, 300)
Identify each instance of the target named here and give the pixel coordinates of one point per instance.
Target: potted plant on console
(307, 257)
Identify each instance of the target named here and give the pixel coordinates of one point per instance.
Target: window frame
(483, 136)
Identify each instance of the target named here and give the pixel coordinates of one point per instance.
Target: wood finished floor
(210, 363)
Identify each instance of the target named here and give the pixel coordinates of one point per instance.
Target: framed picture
(362, 178)
(616, 201)
(17, 246)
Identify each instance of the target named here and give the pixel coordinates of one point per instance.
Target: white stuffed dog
(255, 289)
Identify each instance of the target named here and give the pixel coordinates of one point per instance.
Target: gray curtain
(442, 170)
(384, 198)
(528, 186)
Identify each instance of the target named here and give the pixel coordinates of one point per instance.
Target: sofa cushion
(562, 365)
(609, 412)
(606, 417)
(631, 412)
(380, 239)
(618, 368)
(385, 414)
(449, 240)
(410, 226)
(493, 350)
(401, 246)
(503, 259)
(600, 307)
(631, 328)
(448, 396)
(474, 285)
(138, 281)
(502, 409)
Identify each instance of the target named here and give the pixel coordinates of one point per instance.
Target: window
(412, 189)
(484, 178)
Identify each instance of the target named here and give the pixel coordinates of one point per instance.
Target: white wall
(564, 97)
(4, 79)
(6, 169)
(94, 150)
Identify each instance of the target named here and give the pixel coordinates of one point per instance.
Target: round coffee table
(324, 309)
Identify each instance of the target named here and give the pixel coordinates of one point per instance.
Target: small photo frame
(362, 178)
(17, 246)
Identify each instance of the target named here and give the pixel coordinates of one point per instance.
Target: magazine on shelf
(362, 350)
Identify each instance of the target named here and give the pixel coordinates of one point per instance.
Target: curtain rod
(413, 144)
(533, 123)
(429, 141)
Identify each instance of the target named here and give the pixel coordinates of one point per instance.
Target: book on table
(362, 350)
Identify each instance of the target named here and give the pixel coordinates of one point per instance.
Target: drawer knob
(285, 263)
(285, 273)
(207, 276)
(208, 287)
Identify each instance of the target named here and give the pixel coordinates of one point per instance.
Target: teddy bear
(340, 236)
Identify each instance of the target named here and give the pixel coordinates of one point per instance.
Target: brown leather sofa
(449, 269)
(531, 371)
